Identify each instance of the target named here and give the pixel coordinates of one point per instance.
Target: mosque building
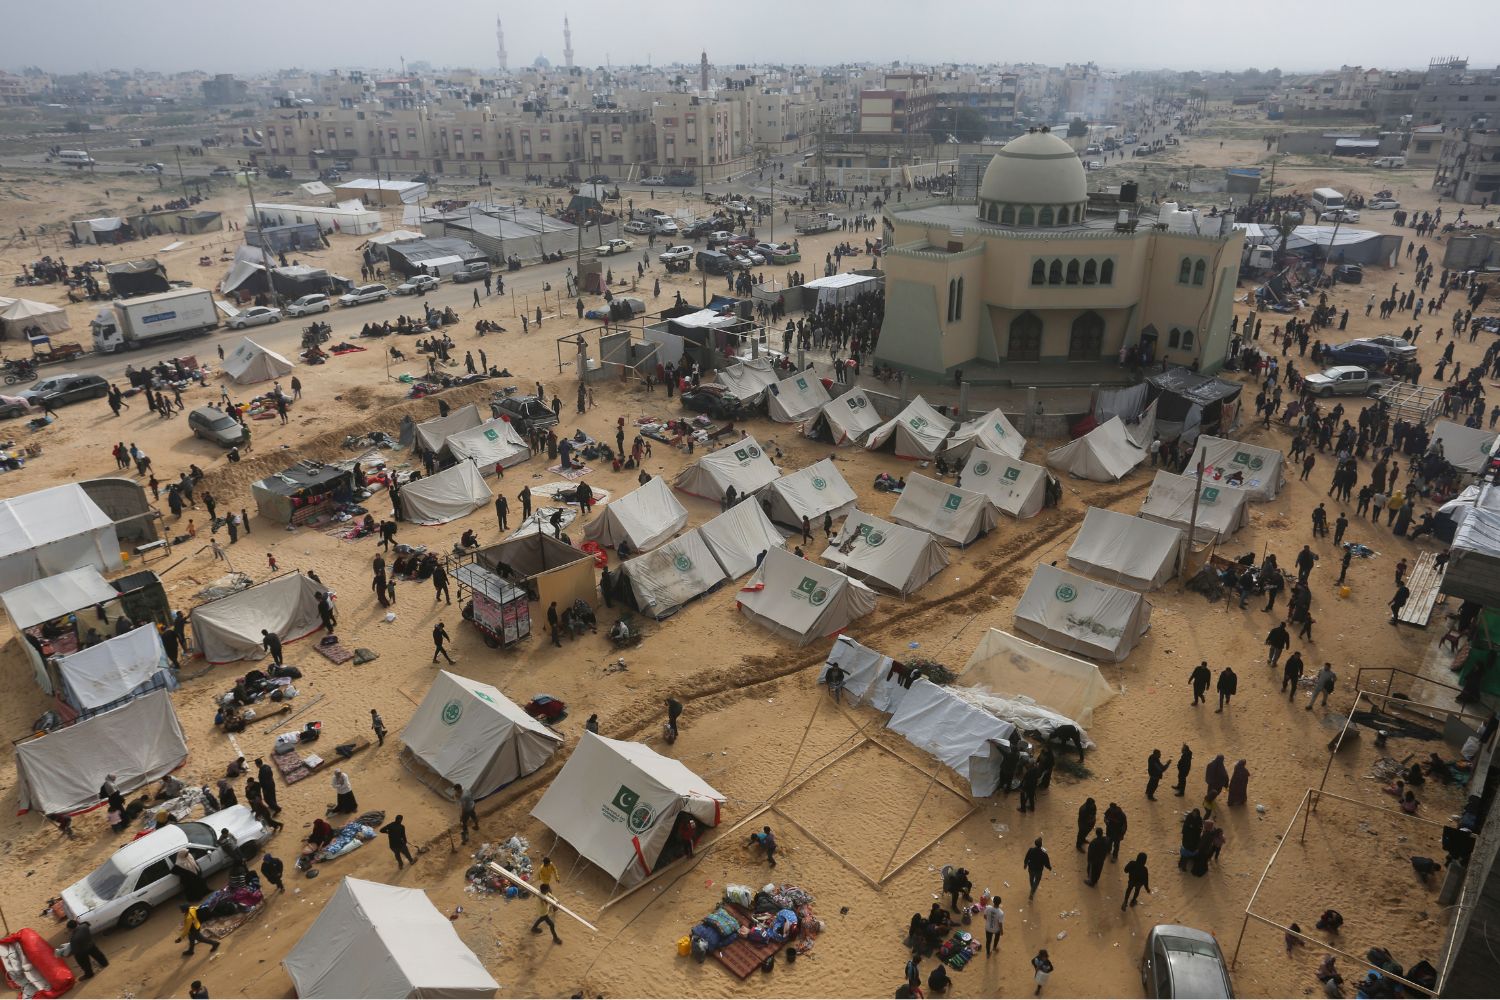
(1032, 286)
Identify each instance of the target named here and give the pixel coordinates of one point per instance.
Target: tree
(1077, 127)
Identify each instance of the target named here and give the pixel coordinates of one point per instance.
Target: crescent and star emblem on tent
(953, 502)
(1210, 494)
(802, 384)
(981, 468)
(917, 423)
(1000, 430)
(819, 483)
(452, 712)
(1066, 593)
(1012, 473)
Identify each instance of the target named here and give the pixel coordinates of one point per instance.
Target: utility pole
(264, 250)
(180, 176)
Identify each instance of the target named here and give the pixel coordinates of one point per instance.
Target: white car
(738, 206)
(417, 283)
(365, 293)
(254, 316)
(653, 181)
(309, 304)
(773, 249)
(613, 247)
(683, 252)
(139, 876)
(1339, 215)
(638, 227)
(663, 226)
(752, 256)
(1384, 203)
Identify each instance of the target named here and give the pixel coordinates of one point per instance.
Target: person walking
(1323, 683)
(377, 724)
(267, 779)
(1036, 862)
(1042, 969)
(674, 712)
(1216, 776)
(192, 930)
(1339, 527)
(83, 949)
(994, 925)
(466, 811)
(1277, 640)
(1115, 825)
(1087, 816)
(1136, 879)
(1291, 674)
(1228, 684)
(271, 868)
(1398, 601)
(440, 636)
(1200, 679)
(1155, 768)
(1098, 853)
(395, 832)
(271, 643)
(1239, 785)
(440, 584)
(546, 906)
(1184, 768)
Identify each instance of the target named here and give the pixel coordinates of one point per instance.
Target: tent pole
(525, 886)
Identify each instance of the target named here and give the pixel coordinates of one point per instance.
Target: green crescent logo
(452, 712)
(625, 800)
(802, 384)
(1257, 463)
(1000, 430)
(953, 501)
(1210, 494)
(1012, 473)
(742, 454)
(1066, 593)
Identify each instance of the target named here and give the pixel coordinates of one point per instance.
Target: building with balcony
(1468, 168)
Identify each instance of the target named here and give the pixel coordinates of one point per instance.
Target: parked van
(714, 262)
(76, 157)
(1326, 199)
(1389, 162)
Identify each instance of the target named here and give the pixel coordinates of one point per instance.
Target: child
(271, 559)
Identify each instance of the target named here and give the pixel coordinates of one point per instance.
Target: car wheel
(275, 319)
(326, 307)
(135, 916)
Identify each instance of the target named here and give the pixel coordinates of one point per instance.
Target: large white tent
(802, 601)
(1010, 667)
(666, 578)
(738, 536)
(1220, 511)
(890, 555)
(494, 442)
(742, 464)
(1128, 550)
(250, 362)
(1105, 454)
(445, 496)
(1255, 471)
(17, 316)
(748, 379)
(470, 734)
(1080, 615)
(795, 399)
(617, 803)
(845, 420)
(645, 517)
(229, 629)
(952, 513)
(811, 492)
(139, 742)
(1015, 487)
(918, 431)
(431, 434)
(1466, 448)
(116, 669)
(50, 598)
(991, 431)
(52, 531)
(382, 942)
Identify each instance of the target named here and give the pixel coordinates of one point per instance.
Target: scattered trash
(1061, 935)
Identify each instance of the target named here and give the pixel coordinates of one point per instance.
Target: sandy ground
(756, 724)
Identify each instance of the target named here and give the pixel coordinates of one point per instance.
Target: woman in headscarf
(345, 791)
(321, 834)
(227, 797)
(1239, 785)
(1192, 833)
(1217, 775)
(185, 867)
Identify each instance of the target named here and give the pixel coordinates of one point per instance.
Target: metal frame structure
(1413, 403)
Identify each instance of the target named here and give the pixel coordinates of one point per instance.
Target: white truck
(815, 222)
(127, 324)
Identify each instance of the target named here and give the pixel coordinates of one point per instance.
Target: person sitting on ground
(1331, 921)
(469, 540)
(321, 833)
(1409, 803)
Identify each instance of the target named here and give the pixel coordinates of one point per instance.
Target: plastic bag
(741, 895)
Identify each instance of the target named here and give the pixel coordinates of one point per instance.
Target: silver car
(1184, 962)
(255, 316)
(212, 424)
(417, 283)
(309, 304)
(365, 293)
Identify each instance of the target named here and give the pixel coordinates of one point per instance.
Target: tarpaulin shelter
(1133, 551)
(748, 379)
(438, 256)
(811, 492)
(1473, 571)
(618, 803)
(1105, 454)
(51, 600)
(315, 189)
(494, 442)
(1187, 402)
(738, 536)
(249, 273)
(837, 289)
(20, 315)
(1255, 471)
(374, 191)
(52, 531)
(797, 398)
(547, 566)
(139, 742)
(469, 733)
(250, 363)
(889, 555)
(444, 496)
(229, 628)
(1081, 616)
(845, 420)
(952, 513)
(105, 229)
(116, 670)
(1220, 511)
(1009, 666)
(292, 495)
(743, 464)
(802, 601)
(431, 434)
(144, 276)
(645, 517)
(917, 432)
(382, 942)
(1465, 448)
(991, 432)
(1015, 487)
(658, 582)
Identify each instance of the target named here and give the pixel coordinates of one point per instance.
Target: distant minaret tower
(567, 43)
(703, 74)
(500, 45)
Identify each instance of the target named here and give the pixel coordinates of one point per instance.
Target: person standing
(1339, 527)
(1136, 879)
(1036, 862)
(1155, 768)
(271, 868)
(1291, 674)
(1042, 966)
(1087, 815)
(502, 508)
(525, 497)
(546, 906)
(1115, 825)
(271, 643)
(395, 832)
(466, 811)
(1277, 640)
(1398, 601)
(325, 612)
(440, 636)
(267, 779)
(1030, 778)
(1184, 768)
(1228, 684)
(674, 712)
(1098, 852)
(994, 925)
(1200, 678)
(1239, 785)
(83, 949)
(1323, 684)
(440, 584)
(378, 725)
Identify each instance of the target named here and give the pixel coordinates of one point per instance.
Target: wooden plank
(1424, 582)
(525, 886)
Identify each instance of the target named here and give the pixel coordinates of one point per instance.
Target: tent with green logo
(1015, 487)
(1466, 448)
(1124, 549)
(811, 492)
(795, 399)
(1080, 616)
(917, 432)
(990, 431)
(742, 464)
(494, 442)
(470, 734)
(1257, 472)
(618, 804)
(846, 419)
(645, 517)
(889, 555)
(658, 582)
(954, 514)
(1219, 513)
(802, 601)
(738, 536)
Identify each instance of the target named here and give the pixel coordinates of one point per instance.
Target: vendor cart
(45, 352)
(498, 609)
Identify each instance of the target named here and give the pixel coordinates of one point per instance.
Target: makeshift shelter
(468, 733)
(382, 942)
(1189, 403)
(43, 613)
(618, 804)
(250, 363)
(1011, 667)
(377, 192)
(952, 513)
(1218, 512)
(645, 517)
(494, 442)
(802, 601)
(748, 379)
(549, 568)
(1465, 448)
(23, 315)
(837, 289)
(811, 492)
(52, 531)
(229, 628)
(118, 669)
(795, 399)
(992, 432)
(297, 494)
(889, 555)
(917, 432)
(1105, 454)
(738, 536)
(432, 434)
(1250, 469)
(1129, 550)
(286, 227)
(658, 582)
(438, 256)
(845, 420)
(742, 464)
(1081, 616)
(144, 276)
(106, 229)
(315, 189)
(1473, 572)
(61, 771)
(444, 496)
(1015, 487)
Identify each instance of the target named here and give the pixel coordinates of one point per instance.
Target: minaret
(500, 45)
(703, 74)
(567, 43)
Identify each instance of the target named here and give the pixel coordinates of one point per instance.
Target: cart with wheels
(498, 609)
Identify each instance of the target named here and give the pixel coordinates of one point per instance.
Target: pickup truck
(815, 222)
(613, 247)
(1344, 380)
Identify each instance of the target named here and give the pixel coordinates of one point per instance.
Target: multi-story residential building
(1396, 97)
(223, 88)
(1468, 167)
(13, 90)
(1457, 97)
(919, 102)
(694, 131)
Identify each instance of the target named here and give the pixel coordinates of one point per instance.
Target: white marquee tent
(1081, 616)
(845, 420)
(1255, 471)
(666, 578)
(250, 362)
(431, 434)
(890, 555)
(841, 288)
(991, 432)
(795, 399)
(116, 669)
(492, 442)
(470, 734)
(645, 517)
(802, 601)
(1127, 550)
(1015, 487)
(952, 513)
(748, 379)
(1466, 448)
(1105, 454)
(811, 492)
(20, 315)
(445, 496)
(918, 431)
(229, 629)
(52, 531)
(617, 803)
(742, 464)
(738, 536)
(1011, 667)
(1221, 511)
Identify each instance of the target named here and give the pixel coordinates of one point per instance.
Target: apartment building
(917, 102)
(1468, 167)
(692, 130)
(1457, 97)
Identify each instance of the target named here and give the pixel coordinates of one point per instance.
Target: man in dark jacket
(395, 832)
(1136, 879)
(84, 950)
(1036, 862)
(1227, 686)
(267, 779)
(1200, 678)
(1184, 768)
(1155, 768)
(1115, 825)
(1291, 674)
(1097, 854)
(1087, 814)
(1277, 640)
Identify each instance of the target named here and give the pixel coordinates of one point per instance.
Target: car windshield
(199, 834)
(1188, 945)
(220, 423)
(47, 385)
(106, 880)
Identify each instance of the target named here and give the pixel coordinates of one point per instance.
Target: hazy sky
(1295, 35)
